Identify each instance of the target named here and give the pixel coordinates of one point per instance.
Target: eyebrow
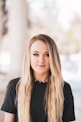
(39, 52)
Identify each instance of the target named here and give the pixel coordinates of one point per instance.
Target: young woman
(40, 94)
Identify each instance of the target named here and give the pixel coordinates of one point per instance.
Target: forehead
(39, 46)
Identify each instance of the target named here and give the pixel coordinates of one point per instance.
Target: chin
(41, 72)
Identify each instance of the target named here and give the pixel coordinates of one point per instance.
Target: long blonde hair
(54, 97)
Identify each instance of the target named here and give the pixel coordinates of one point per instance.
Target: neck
(41, 77)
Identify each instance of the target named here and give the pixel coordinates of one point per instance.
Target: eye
(36, 54)
(47, 54)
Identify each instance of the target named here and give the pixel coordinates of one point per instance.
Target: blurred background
(60, 19)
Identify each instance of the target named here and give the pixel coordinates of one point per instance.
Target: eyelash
(38, 54)
(47, 55)
(35, 54)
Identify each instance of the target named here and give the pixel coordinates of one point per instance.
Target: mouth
(41, 65)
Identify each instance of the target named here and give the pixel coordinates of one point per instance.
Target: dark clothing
(37, 100)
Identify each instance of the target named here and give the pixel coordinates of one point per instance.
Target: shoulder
(67, 91)
(67, 86)
(68, 113)
(12, 83)
(9, 104)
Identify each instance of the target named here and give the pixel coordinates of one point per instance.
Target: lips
(41, 65)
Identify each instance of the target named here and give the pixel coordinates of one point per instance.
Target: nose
(41, 59)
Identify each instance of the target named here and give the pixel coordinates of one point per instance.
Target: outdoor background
(60, 19)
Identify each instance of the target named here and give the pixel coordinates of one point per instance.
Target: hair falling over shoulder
(54, 98)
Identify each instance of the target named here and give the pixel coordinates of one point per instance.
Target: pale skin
(40, 60)
(40, 64)
(9, 117)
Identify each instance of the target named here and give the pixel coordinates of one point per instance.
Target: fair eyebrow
(39, 52)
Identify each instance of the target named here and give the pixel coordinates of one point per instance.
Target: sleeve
(9, 100)
(69, 113)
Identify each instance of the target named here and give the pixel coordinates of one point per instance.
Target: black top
(37, 100)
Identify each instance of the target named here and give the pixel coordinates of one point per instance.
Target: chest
(37, 108)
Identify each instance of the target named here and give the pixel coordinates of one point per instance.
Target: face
(40, 62)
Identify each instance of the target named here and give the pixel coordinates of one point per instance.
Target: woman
(40, 94)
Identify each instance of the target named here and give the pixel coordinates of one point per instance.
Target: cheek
(48, 64)
(32, 62)
(32, 65)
